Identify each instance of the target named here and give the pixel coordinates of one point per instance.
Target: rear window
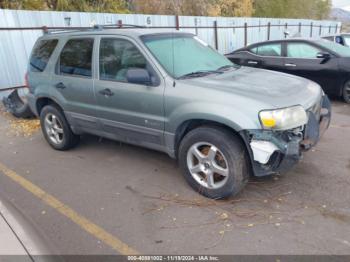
(41, 55)
(76, 57)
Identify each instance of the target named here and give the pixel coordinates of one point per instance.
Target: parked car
(171, 92)
(321, 61)
(342, 39)
(20, 238)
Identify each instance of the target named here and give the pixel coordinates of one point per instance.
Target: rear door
(301, 59)
(73, 82)
(129, 112)
(267, 56)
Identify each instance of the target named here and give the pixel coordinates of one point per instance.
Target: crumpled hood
(274, 88)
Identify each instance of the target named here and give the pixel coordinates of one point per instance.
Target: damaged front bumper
(277, 151)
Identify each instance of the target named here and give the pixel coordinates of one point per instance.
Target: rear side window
(76, 57)
(41, 55)
(268, 50)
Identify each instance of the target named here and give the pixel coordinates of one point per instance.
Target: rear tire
(56, 129)
(219, 169)
(346, 92)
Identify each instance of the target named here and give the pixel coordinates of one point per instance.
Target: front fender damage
(272, 151)
(277, 151)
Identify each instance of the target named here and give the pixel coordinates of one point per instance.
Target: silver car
(170, 91)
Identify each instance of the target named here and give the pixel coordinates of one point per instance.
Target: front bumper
(277, 151)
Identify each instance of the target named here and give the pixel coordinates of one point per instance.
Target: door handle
(106, 92)
(60, 85)
(252, 62)
(291, 65)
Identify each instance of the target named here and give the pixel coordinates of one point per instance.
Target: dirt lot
(140, 197)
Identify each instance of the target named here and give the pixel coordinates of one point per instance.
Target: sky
(342, 4)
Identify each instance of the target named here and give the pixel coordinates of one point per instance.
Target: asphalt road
(139, 197)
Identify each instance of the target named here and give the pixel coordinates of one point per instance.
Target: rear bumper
(278, 151)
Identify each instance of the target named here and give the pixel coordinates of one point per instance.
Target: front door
(267, 56)
(301, 60)
(129, 112)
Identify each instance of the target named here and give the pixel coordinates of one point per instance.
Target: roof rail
(61, 30)
(119, 25)
(58, 30)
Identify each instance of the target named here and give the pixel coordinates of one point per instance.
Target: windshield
(346, 40)
(184, 54)
(337, 48)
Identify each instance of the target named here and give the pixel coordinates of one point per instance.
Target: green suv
(171, 92)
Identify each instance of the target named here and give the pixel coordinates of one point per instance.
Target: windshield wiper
(226, 67)
(200, 73)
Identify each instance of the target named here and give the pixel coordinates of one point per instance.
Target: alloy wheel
(53, 128)
(207, 165)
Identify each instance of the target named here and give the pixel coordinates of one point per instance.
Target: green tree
(23, 4)
(111, 6)
(232, 8)
(312, 9)
(193, 8)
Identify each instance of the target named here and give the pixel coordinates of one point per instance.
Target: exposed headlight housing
(283, 119)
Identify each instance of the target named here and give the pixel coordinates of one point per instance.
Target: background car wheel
(214, 162)
(346, 92)
(56, 129)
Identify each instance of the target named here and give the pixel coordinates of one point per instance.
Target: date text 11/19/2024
(173, 258)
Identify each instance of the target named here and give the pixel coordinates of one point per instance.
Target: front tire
(56, 129)
(214, 162)
(346, 92)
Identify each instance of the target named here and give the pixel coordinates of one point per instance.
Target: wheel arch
(41, 102)
(188, 125)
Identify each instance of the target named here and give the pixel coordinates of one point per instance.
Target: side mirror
(324, 56)
(138, 76)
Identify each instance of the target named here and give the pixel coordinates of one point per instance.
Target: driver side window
(301, 50)
(116, 57)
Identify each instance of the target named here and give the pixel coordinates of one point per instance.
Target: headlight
(282, 119)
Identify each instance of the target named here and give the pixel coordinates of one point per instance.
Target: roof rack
(59, 30)
(119, 25)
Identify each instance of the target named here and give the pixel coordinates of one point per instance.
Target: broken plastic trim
(262, 150)
(286, 151)
(16, 106)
